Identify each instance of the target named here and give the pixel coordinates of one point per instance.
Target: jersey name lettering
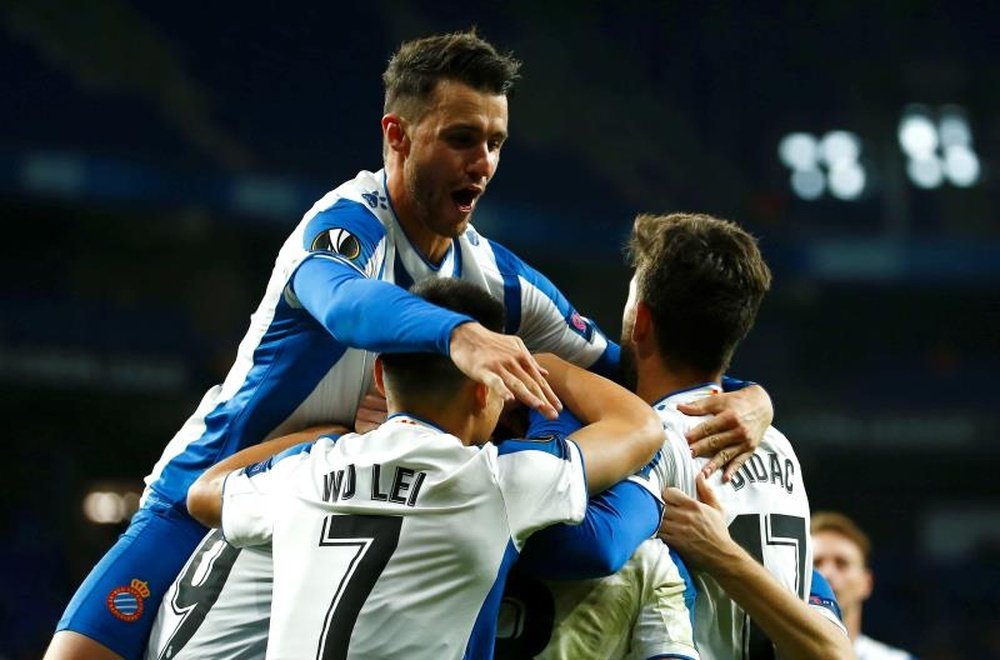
(770, 470)
(402, 488)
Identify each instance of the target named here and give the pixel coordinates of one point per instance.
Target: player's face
(454, 152)
(840, 562)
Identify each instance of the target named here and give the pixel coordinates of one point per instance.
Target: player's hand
(372, 411)
(732, 435)
(503, 363)
(696, 529)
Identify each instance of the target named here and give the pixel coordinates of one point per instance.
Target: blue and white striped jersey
(397, 543)
(331, 300)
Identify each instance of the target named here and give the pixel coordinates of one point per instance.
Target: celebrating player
(397, 543)
(694, 295)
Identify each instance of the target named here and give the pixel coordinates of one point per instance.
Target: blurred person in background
(841, 552)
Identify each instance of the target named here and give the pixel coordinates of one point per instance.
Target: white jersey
(867, 648)
(397, 543)
(767, 512)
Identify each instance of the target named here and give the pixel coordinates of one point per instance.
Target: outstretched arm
(698, 532)
(380, 316)
(204, 499)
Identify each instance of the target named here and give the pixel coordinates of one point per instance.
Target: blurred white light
(104, 508)
(917, 136)
(808, 184)
(839, 146)
(954, 131)
(847, 181)
(798, 151)
(925, 172)
(961, 165)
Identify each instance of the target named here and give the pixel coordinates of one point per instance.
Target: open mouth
(465, 198)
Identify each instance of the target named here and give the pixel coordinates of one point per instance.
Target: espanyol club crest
(126, 603)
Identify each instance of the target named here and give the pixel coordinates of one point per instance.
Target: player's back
(397, 543)
(767, 512)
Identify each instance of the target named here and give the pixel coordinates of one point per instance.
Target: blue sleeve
(730, 384)
(561, 426)
(371, 314)
(617, 521)
(266, 464)
(822, 594)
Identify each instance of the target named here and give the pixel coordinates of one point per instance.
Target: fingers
(531, 388)
(721, 422)
(706, 406)
(713, 444)
(706, 494)
(735, 464)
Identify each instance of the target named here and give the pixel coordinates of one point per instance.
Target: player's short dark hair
(703, 280)
(418, 66)
(434, 375)
(838, 523)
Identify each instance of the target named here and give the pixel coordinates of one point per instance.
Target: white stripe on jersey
(767, 512)
(416, 537)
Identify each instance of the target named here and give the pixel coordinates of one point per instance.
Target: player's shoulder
(359, 208)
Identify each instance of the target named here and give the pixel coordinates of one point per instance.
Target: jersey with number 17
(767, 512)
(397, 543)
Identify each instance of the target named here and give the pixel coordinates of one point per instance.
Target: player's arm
(616, 522)
(379, 316)
(621, 432)
(204, 498)
(698, 532)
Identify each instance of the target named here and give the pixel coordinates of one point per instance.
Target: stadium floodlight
(798, 151)
(954, 128)
(847, 180)
(104, 507)
(917, 135)
(961, 166)
(926, 172)
(808, 184)
(839, 147)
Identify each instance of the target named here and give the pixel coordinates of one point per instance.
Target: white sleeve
(676, 467)
(542, 483)
(250, 499)
(663, 625)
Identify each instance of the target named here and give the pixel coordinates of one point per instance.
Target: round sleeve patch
(338, 240)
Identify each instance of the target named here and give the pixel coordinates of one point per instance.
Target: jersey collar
(687, 394)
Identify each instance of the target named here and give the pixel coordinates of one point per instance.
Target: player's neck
(456, 420)
(656, 379)
(433, 246)
(852, 621)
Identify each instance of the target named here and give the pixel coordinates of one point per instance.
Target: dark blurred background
(153, 157)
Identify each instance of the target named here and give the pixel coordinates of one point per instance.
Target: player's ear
(867, 585)
(642, 329)
(394, 133)
(379, 375)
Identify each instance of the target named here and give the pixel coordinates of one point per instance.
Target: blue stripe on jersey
(484, 630)
(291, 359)
(507, 263)
(821, 594)
(264, 466)
(556, 446)
(353, 217)
(399, 274)
(690, 593)
(671, 656)
(607, 365)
